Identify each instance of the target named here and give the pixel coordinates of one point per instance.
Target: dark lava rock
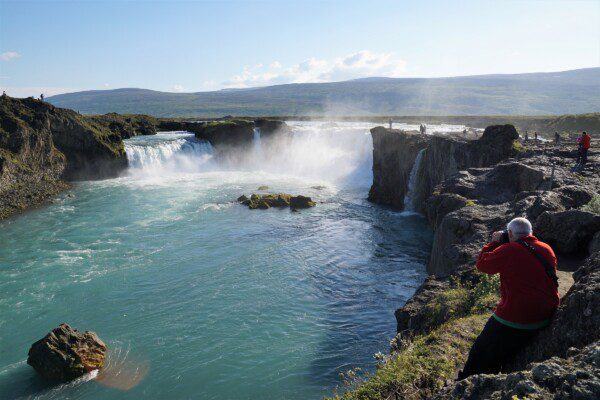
(269, 127)
(279, 200)
(568, 231)
(226, 134)
(575, 377)
(66, 354)
(297, 202)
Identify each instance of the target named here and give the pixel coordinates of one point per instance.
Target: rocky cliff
(467, 195)
(42, 147)
(394, 154)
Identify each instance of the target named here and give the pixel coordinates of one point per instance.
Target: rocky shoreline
(44, 148)
(466, 190)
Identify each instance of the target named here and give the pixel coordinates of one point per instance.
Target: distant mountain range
(552, 93)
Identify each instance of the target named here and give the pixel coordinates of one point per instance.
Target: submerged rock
(279, 200)
(263, 187)
(65, 354)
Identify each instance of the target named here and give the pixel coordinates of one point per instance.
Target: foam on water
(199, 297)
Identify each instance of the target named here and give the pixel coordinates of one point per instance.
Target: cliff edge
(466, 190)
(42, 147)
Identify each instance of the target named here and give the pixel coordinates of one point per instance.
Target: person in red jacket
(528, 296)
(584, 142)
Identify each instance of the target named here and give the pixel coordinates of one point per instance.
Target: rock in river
(65, 354)
(280, 200)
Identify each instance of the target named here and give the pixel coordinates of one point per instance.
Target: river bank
(466, 193)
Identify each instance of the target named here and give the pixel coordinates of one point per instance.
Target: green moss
(517, 146)
(423, 365)
(470, 203)
(593, 206)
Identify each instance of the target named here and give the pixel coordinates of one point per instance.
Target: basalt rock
(279, 200)
(446, 156)
(568, 231)
(225, 135)
(31, 166)
(461, 234)
(127, 126)
(65, 354)
(270, 127)
(574, 377)
(42, 145)
(297, 202)
(394, 154)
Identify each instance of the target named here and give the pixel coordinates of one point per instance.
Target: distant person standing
(526, 136)
(535, 136)
(556, 138)
(424, 129)
(42, 97)
(390, 123)
(584, 143)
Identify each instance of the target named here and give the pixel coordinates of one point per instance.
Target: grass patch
(517, 146)
(463, 299)
(593, 206)
(423, 366)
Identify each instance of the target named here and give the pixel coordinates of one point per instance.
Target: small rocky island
(280, 200)
(65, 354)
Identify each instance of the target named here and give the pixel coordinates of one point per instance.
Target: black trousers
(494, 347)
(582, 156)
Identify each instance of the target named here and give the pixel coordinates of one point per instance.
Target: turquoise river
(198, 297)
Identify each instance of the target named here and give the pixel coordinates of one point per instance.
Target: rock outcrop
(42, 146)
(394, 154)
(65, 354)
(574, 377)
(270, 127)
(568, 231)
(31, 166)
(278, 200)
(463, 208)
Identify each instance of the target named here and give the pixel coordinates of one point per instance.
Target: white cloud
(178, 88)
(357, 65)
(9, 55)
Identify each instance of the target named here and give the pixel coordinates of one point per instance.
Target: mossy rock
(65, 354)
(278, 200)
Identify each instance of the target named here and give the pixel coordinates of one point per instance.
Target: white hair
(520, 227)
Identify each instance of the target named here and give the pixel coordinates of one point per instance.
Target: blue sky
(60, 46)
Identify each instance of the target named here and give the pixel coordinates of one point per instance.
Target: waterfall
(258, 153)
(330, 153)
(412, 183)
(167, 152)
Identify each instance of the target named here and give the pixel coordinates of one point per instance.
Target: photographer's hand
(497, 236)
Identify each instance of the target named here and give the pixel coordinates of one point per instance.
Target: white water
(412, 182)
(258, 152)
(333, 155)
(167, 153)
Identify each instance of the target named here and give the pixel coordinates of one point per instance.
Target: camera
(504, 237)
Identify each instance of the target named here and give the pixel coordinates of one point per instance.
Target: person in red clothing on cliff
(528, 296)
(584, 143)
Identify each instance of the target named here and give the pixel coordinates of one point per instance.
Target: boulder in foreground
(65, 354)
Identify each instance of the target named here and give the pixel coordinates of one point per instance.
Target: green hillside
(568, 92)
